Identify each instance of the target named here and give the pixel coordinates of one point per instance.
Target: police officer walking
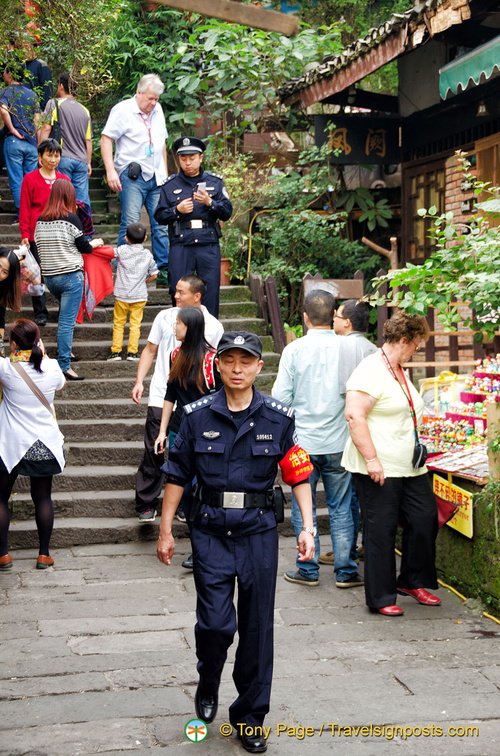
(192, 202)
(233, 441)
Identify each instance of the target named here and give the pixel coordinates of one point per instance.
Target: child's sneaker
(133, 356)
(113, 356)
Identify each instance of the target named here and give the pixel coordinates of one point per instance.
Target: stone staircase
(103, 428)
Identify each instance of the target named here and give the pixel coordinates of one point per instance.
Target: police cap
(245, 340)
(188, 146)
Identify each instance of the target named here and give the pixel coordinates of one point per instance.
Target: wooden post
(273, 306)
(247, 15)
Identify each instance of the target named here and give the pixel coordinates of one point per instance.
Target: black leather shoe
(70, 377)
(205, 706)
(188, 563)
(253, 743)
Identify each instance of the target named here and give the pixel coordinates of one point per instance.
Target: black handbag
(55, 132)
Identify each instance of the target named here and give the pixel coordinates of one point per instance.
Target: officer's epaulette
(278, 407)
(188, 408)
(169, 178)
(217, 175)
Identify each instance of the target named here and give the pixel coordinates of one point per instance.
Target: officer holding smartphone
(192, 202)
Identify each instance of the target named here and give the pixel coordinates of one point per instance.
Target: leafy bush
(465, 267)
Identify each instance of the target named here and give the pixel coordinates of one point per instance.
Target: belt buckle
(233, 500)
(196, 224)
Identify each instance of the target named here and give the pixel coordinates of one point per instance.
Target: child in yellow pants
(135, 268)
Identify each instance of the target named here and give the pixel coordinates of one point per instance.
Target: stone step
(104, 314)
(78, 504)
(128, 453)
(88, 478)
(78, 531)
(101, 429)
(108, 411)
(105, 389)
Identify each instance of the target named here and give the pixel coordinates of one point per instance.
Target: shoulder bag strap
(32, 385)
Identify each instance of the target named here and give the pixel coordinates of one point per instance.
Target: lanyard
(407, 392)
(147, 124)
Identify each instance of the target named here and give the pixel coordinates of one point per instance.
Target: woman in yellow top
(382, 409)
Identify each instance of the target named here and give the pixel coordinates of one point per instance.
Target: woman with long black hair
(30, 440)
(10, 288)
(192, 375)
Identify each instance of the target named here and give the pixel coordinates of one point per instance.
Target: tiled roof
(374, 37)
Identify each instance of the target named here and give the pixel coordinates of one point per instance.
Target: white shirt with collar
(129, 127)
(162, 334)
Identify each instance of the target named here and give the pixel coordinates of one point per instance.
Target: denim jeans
(68, 290)
(78, 173)
(20, 158)
(338, 492)
(133, 196)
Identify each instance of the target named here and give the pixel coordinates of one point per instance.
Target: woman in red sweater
(35, 191)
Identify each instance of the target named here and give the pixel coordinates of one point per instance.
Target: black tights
(44, 510)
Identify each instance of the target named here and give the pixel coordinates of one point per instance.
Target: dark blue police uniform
(194, 237)
(234, 455)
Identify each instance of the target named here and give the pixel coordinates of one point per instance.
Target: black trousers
(411, 503)
(150, 478)
(219, 564)
(202, 259)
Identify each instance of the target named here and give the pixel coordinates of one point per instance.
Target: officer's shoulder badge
(169, 178)
(278, 407)
(217, 175)
(206, 401)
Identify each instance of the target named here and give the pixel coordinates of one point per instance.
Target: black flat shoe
(70, 377)
(253, 743)
(205, 706)
(188, 563)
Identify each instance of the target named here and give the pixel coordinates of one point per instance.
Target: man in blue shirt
(308, 381)
(20, 113)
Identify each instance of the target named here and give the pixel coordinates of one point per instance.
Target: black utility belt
(194, 224)
(238, 499)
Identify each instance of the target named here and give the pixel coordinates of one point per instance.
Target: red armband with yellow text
(296, 466)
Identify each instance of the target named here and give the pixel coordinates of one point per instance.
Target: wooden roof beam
(236, 13)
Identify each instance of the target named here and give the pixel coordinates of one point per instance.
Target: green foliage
(295, 239)
(465, 267)
(239, 68)
(74, 37)
(247, 185)
(145, 41)
(206, 63)
(374, 212)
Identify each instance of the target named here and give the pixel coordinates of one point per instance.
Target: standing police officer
(233, 441)
(192, 203)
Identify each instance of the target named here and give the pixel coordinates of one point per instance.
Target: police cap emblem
(245, 340)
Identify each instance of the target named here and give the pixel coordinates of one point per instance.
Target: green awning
(474, 68)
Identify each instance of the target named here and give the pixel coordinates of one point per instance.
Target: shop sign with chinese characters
(359, 140)
(462, 519)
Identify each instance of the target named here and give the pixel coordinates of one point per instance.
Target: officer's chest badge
(264, 437)
(177, 191)
(210, 434)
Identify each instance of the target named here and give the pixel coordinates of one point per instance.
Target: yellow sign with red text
(462, 519)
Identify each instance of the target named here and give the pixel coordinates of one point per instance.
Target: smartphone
(202, 186)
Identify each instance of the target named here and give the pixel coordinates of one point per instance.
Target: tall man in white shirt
(308, 381)
(137, 126)
(161, 341)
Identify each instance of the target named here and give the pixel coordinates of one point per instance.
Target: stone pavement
(96, 656)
